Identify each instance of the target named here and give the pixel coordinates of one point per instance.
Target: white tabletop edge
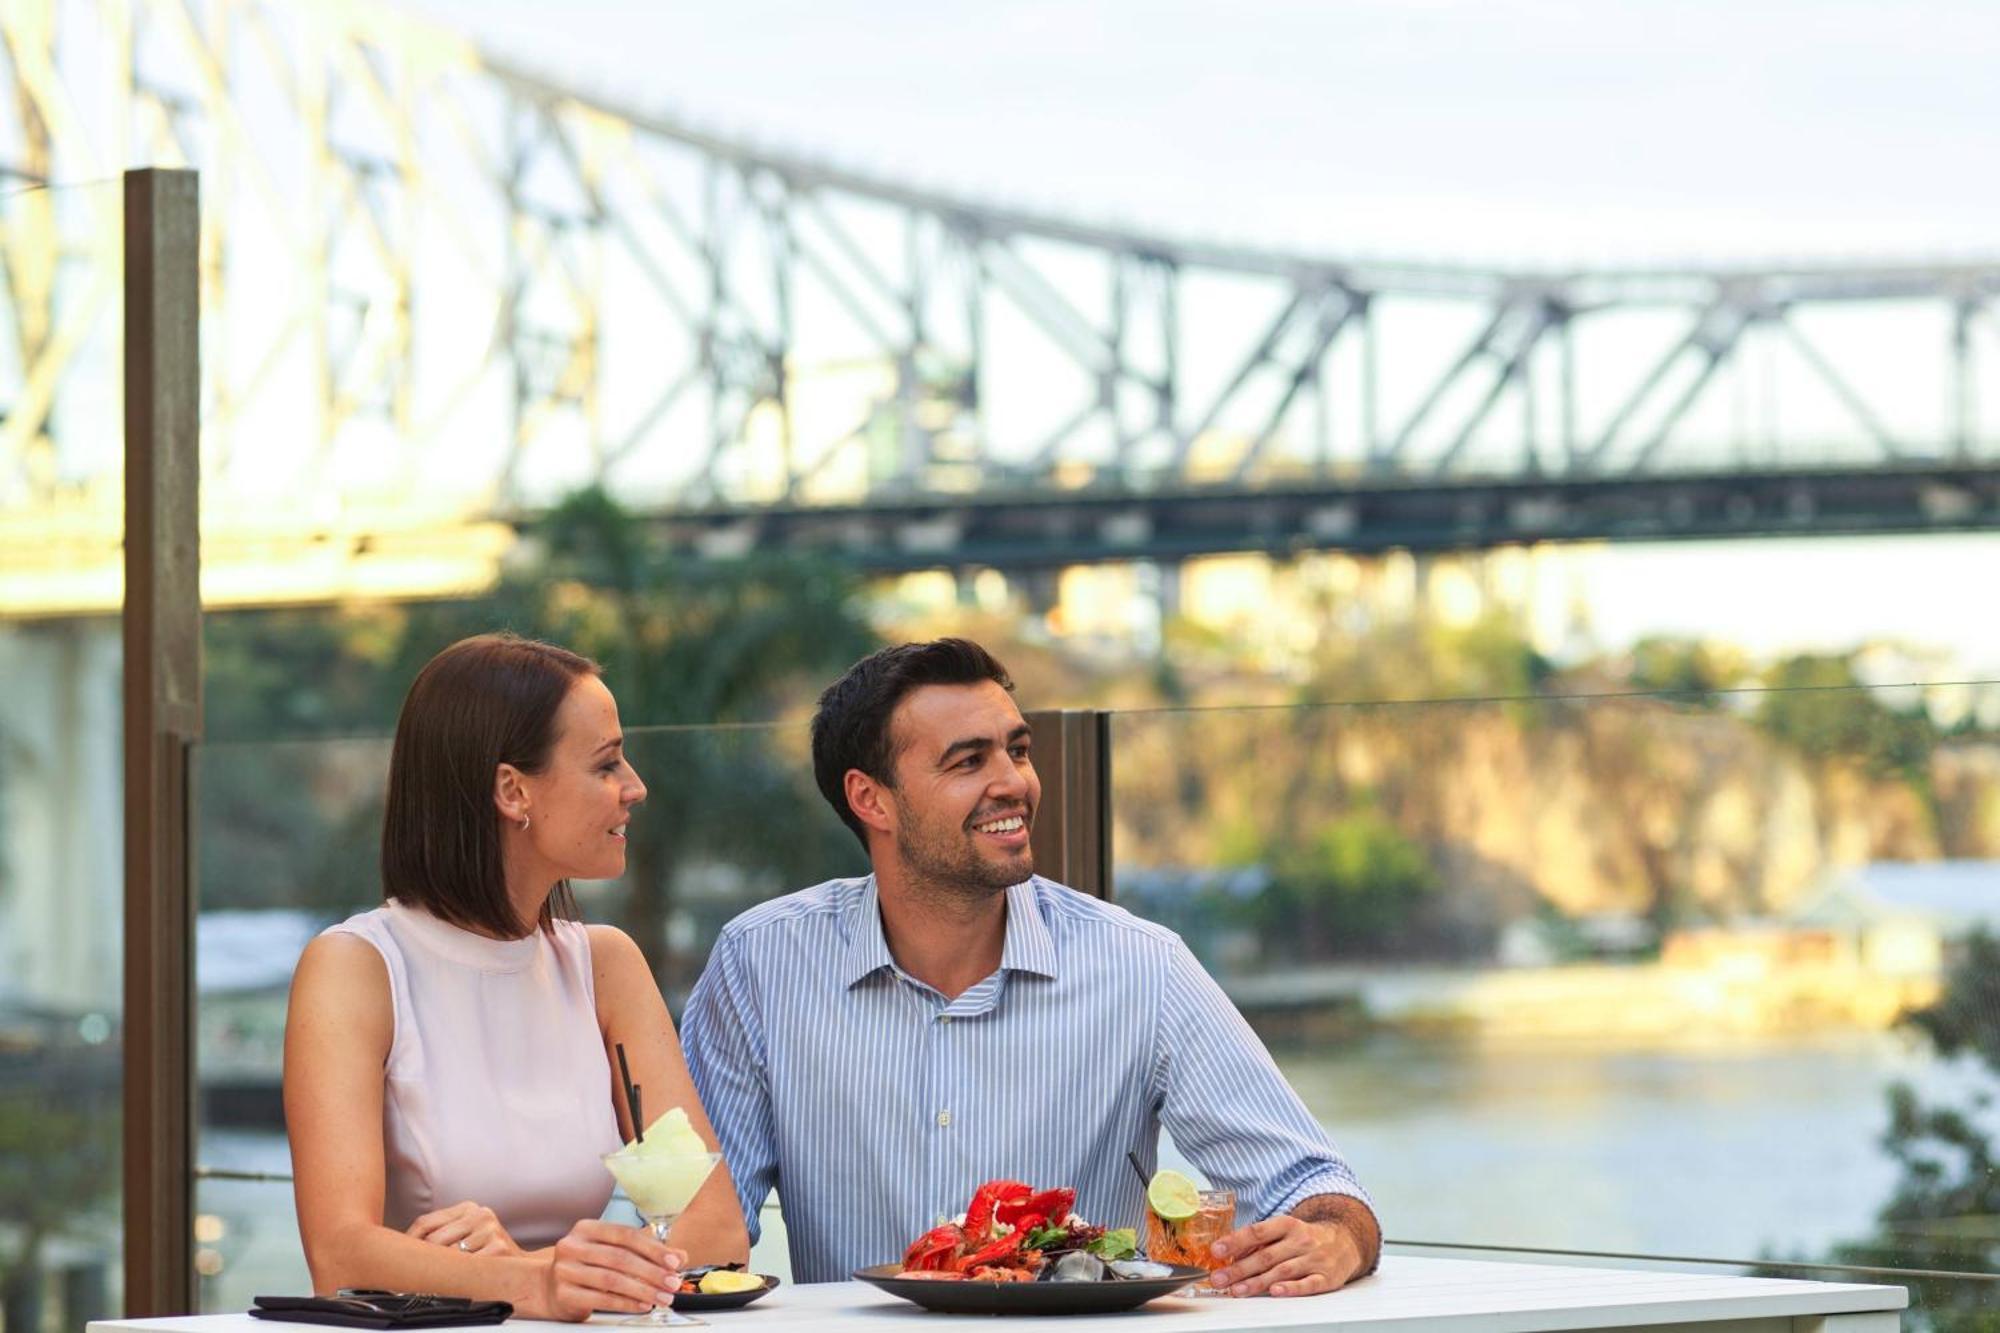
(1409, 1295)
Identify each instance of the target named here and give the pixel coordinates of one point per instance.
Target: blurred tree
(290, 824)
(1350, 885)
(1820, 708)
(301, 671)
(58, 1162)
(288, 814)
(1422, 659)
(1697, 672)
(1945, 1212)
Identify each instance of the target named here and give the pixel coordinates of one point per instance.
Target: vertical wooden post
(1072, 834)
(162, 637)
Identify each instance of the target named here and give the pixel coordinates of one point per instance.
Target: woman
(448, 1087)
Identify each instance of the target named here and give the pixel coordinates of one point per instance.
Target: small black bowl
(723, 1300)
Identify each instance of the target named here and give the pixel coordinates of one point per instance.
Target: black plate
(1029, 1297)
(722, 1300)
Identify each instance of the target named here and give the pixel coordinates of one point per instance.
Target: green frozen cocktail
(661, 1171)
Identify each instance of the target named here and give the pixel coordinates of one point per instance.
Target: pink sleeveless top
(497, 1089)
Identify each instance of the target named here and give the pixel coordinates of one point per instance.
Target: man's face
(966, 790)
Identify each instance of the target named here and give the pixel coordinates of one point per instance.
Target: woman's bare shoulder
(342, 970)
(624, 978)
(610, 946)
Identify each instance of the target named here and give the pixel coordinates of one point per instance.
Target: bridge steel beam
(1031, 530)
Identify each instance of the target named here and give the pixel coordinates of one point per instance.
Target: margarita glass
(661, 1182)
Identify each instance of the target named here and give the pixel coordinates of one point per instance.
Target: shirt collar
(1028, 947)
(867, 948)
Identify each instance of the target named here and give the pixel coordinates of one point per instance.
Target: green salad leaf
(1044, 1236)
(1120, 1244)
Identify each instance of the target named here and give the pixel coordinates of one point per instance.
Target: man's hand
(1291, 1256)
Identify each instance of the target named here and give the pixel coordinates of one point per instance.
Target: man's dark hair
(484, 701)
(851, 728)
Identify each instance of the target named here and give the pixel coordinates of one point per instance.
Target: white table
(1408, 1295)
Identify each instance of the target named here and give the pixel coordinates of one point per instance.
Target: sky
(1557, 131)
(1560, 128)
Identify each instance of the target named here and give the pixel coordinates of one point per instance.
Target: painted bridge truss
(440, 290)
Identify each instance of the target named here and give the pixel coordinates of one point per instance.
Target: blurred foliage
(1691, 670)
(1966, 1018)
(58, 1161)
(1944, 1213)
(290, 825)
(1681, 804)
(299, 672)
(1424, 659)
(1351, 885)
(1820, 708)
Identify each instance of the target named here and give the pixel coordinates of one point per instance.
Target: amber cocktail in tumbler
(1186, 1240)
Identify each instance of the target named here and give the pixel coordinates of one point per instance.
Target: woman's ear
(510, 793)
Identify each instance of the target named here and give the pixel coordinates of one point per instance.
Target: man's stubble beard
(944, 864)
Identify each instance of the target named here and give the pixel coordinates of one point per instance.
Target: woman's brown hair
(484, 701)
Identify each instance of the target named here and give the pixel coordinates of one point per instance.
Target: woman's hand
(604, 1266)
(468, 1226)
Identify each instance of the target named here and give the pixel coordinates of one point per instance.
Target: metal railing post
(1072, 834)
(162, 700)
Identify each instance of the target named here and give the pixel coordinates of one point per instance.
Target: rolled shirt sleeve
(1229, 1108)
(722, 1034)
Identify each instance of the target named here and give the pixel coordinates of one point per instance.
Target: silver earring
(524, 823)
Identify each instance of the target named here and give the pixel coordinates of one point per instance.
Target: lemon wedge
(723, 1280)
(1172, 1195)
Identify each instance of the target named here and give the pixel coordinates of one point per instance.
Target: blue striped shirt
(875, 1106)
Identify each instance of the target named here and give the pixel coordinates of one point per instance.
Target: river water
(1727, 1151)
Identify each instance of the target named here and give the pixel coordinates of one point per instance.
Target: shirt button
(944, 1119)
(944, 1018)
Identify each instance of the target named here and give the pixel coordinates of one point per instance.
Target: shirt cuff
(1326, 1183)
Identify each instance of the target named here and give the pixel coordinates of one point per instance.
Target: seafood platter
(1018, 1250)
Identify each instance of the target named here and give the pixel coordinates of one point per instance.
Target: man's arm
(722, 1034)
(1351, 1215)
(1232, 1112)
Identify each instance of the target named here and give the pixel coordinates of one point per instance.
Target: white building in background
(1903, 917)
(62, 815)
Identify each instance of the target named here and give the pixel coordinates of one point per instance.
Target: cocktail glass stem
(662, 1316)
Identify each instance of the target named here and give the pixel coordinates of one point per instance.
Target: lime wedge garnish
(1172, 1195)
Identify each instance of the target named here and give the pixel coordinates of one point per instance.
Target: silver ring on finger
(464, 1247)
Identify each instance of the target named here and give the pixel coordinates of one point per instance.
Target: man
(876, 1048)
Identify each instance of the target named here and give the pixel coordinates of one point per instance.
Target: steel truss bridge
(439, 291)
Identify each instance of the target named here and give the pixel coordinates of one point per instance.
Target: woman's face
(579, 803)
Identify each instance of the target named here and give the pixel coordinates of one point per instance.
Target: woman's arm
(338, 1029)
(630, 1010)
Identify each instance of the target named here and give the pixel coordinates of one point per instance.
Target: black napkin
(381, 1309)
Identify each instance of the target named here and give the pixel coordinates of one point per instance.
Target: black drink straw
(632, 1096)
